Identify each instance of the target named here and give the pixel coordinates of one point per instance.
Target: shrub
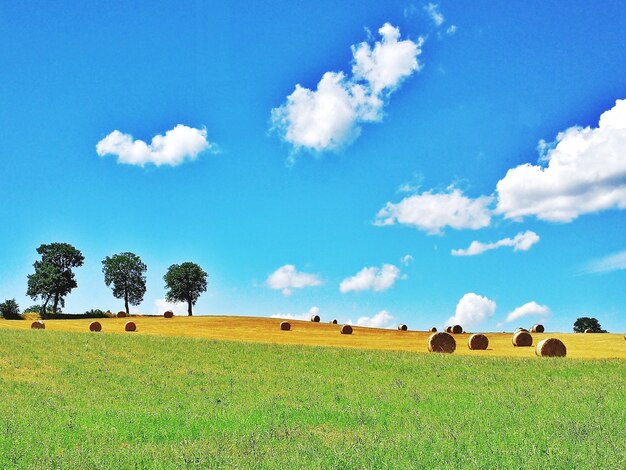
(9, 310)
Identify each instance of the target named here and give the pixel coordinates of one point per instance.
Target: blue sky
(417, 129)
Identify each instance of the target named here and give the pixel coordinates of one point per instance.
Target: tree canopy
(53, 277)
(586, 323)
(184, 283)
(127, 273)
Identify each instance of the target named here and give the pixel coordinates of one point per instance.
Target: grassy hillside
(139, 401)
(266, 330)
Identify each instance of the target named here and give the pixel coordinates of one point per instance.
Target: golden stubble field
(267, 330)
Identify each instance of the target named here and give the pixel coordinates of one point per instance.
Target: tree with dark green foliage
(586, 323)
(184, 283)
(127, 273)
(53, 278)
(9, 310)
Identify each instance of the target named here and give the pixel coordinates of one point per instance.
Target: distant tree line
(124, 273)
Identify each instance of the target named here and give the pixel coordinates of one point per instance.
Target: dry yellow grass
(267, 330)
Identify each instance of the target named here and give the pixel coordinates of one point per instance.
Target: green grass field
(80, 400)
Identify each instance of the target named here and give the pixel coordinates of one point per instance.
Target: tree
(53, 277)
(184, 283)
(126, 272)
(9, 310)
(583, 323)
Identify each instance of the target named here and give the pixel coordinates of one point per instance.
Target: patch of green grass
(74, 400)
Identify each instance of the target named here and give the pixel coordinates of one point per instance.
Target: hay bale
(588, 330)
(441, 342)
(38, 325)
(285, 325)
(121, 314)
(457, 329)
(448, 329)
(345, 330)
(521, 329)
(333, 322)
(551, 347)
(402, 327)
(433, 330)
(537, 328)
(522, 339)
(478, 342)
(95, 326)
(168, 314)
(130, 326)
(315, 318)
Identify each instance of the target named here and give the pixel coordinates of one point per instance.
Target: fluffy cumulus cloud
(472, 310)
(373, 278)
(162, 305)
(583, 171)
(330, 117)
(528, 309)
(177, 145)
(521, 242)
(302, 316)
(286, 278)
(613, 262)
(382, 319)
(431, 212)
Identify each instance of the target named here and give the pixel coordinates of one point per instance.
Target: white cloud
(173, 148)
(472, 310)
(329, 117)
(584, 171)
(431, 212)
(382, 319)
(523, 241)
(373, 278)
(530, 308)
(162, 305)
(406, 259)
(433, 11)
(614, 262)
(287, 278)
(451, 30)
(306, 316)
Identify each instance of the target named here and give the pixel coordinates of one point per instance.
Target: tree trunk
(189, 310)
(126, 304)
(55, 305)
(44, 309)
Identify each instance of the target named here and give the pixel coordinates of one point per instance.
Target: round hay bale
(457, 329)
(38, 325)
(315, 318)
(345, 330)
(441, 342)
(478, 342)
(448, 329)
(588, 330)
(285, 325)
(168, 314)
(130, 326)
(433, 330)
(333, 322)
(551, 347)
(521, 329)
(95, 326)
(522, 339)
(121, 314)
(537, 328)
(403, 327)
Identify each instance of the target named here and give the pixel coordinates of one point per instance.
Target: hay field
(146, 401)
(267, 330)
